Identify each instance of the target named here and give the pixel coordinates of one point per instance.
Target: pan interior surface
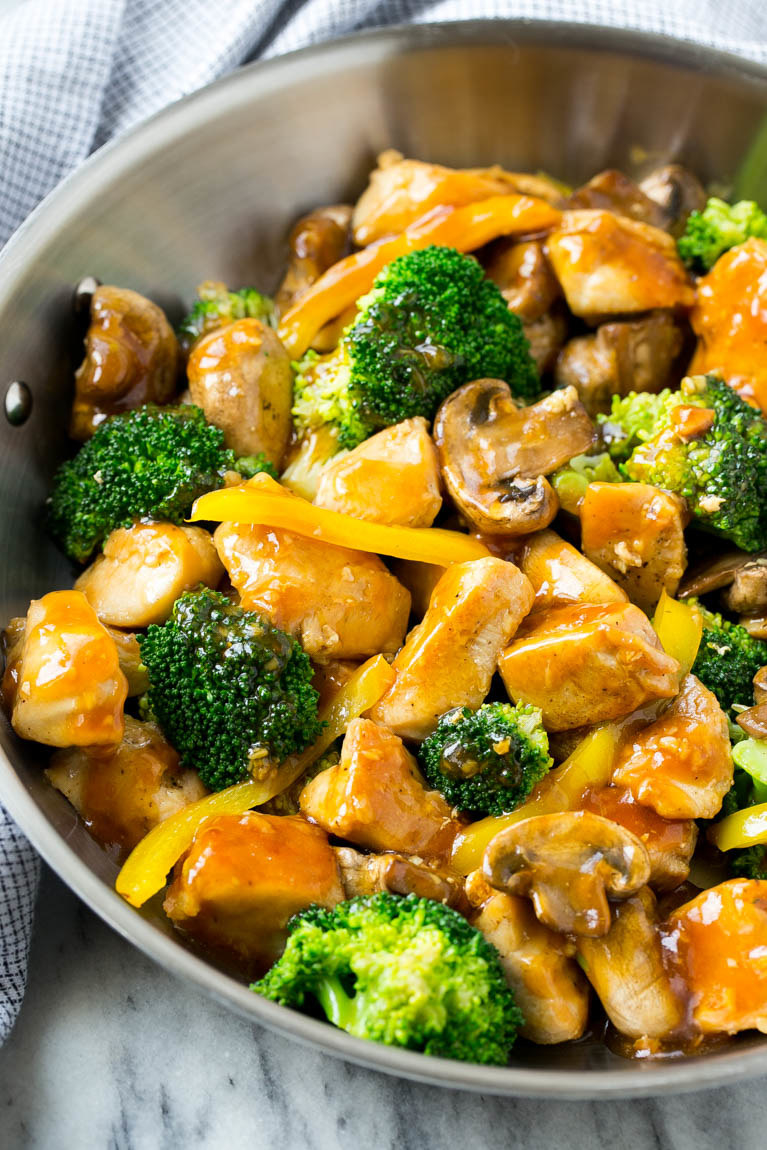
(208, 190)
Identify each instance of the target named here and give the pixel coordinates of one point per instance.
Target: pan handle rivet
(18, 403)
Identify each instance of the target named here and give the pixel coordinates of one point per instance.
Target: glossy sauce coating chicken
(415, 621)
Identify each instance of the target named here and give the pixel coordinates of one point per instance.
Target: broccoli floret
(571, 481)
(727, 659)
(486, 762)
(250, 465)
(748, 789)
(719, 227)
(216, 306)
(721, 470)
(431, 323)
(153, 461)
(232, 693)
(407, 972)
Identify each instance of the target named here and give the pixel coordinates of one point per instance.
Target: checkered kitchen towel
(75, 73)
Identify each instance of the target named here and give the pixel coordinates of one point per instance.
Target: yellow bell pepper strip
(262, 500)
(590, 765)
(146, 869)
(746, 828)
(465, 228)
(679, 627)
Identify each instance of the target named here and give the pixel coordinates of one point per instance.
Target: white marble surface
(110, 1052)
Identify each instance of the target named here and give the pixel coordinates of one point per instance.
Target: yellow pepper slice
(465, 228)
(146, 869)
(746, 828)
(590, 765)
(262, 500)
(679, 628)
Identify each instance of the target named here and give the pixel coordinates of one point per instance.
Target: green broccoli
(216, 307)
(749, 788)
(727, 659)
(486, 762)
(407, 972)
(250, 465)
(152, 461)
(721, 471)
(719, 227)
(231, 692)
(431, 323)
(571, 481)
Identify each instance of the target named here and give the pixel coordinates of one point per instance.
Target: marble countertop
(111, 1052)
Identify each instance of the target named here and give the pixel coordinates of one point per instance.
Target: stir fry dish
(416, 657)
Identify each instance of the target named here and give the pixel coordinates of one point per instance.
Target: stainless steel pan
(207, 190)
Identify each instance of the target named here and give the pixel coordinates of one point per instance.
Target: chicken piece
(730, 321)
(70, 689)
(245, 876)
(420, 580)
(626, 969)
(669, 842)
(524, 276)
(317, 241)
(122, 792)
(240, 376)
(561, 575)
(628, 355)
(377, 799)
(391, 478)
(681, 764)
(717, 944)
(339, 603)
(546, 336)
(548, 986)
(144, 568)
(610, 265)
(400, 191)
(747, 594)
(448, 660)
(613, 192)
(635, 534)
(131, 358)
(587, 663)
(367, 874)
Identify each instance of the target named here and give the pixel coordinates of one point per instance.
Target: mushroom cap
(568, 864)
(495, 454)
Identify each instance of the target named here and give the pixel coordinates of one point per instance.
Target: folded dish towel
(76, 73)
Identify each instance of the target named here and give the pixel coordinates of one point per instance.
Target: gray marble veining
(110, 1052)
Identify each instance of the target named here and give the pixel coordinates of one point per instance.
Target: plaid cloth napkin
(76, 73)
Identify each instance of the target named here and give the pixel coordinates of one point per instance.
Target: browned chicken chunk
(244, 877)
(376, 797)
(131, 358)
(144, 568)
(613, 192)
(561, 575)
(70, 690)
(546, 337)
(549, 988)
(681, 764)
(340, 604)
(635, 534)
(449, 659)
(587, 663)
(524, 275)
(623, 356)
(398, 874)
(122, 792)
(392, 478)
(610, 265)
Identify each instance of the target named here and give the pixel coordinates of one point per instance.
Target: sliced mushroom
(569, 864)
(756, 625)
(628, 355)
(495, 455)
(626, 969)
(131, 357)
(612, 191)
(548, 985)
(678, 192)
(367, 874)
(240, 376)
(317, 241)
(754, 721)
(760, 685)
(747, 594)
(713, 574)
(635, 533)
